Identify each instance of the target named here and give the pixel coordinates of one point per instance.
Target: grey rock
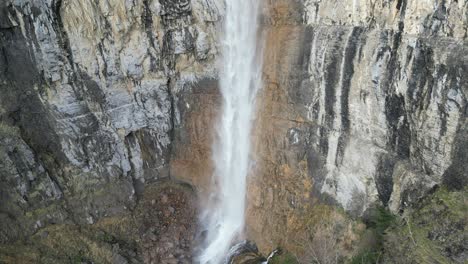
(86, 90)
(379, 87)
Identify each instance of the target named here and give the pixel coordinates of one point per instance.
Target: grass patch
(366, 257)
(285, 258)
(8, 131)
(71, 244)
(431, 232)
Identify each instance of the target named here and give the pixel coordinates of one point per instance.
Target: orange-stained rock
(191, 159)
(279, 187)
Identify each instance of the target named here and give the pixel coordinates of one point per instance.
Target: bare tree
(321, 245)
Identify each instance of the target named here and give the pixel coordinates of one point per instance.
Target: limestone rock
(89, 88)
(353, 90)
(364, 103)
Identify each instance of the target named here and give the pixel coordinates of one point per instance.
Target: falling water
(240, 80)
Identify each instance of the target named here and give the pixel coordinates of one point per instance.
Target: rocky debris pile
(168, 225)
(160, 231)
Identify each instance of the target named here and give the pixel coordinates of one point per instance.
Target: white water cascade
(240, 79)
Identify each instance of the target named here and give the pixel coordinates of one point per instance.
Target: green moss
(433, 232)
(106, 237)
(454, 202)
(422, 235)
(8, 131)
(18, 254)
(285, 258)
(71, 244)
(43, 211)
(79, 258)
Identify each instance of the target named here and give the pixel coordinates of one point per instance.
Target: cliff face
(90, 102)
(364, 103)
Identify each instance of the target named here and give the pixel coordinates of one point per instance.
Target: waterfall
(240, 79)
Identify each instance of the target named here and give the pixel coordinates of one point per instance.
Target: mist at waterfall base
(240, 79)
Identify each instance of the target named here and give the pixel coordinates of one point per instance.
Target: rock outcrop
(364, 103)
(91, 101)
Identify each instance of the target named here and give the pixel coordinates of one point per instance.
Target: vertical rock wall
(90, 102)
(365, 103)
